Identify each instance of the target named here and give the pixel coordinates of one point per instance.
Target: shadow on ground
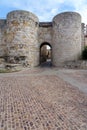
(47, 64)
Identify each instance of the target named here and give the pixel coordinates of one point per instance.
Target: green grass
(8, 71)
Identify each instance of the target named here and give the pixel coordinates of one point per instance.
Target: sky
(44, 9)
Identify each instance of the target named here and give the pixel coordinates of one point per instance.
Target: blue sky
(44, 9)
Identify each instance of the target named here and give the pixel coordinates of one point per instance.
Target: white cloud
(82, 9)
(54, 11)
(47, 9)
(84, 15)
(80, 6)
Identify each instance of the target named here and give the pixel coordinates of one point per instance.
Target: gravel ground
(39, 99)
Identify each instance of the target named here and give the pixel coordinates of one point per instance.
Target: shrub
(84, 53)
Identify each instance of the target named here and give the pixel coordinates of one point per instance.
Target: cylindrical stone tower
(66, 37)
(22, 37)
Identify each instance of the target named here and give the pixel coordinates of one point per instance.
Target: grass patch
(8, 71)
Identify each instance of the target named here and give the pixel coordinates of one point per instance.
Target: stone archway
(45, 54)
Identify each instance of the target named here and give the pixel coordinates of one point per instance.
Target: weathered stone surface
(21, 35)
(45, 34)
(2, 61)
(2, 37)
(80, 64)
(85, 44)
(66, 37)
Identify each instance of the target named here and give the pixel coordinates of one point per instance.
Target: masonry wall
(22, 37)
(84, 35)
(45, 33)
(2, 37)
(0, 42)
(66, 38)
(85, 41)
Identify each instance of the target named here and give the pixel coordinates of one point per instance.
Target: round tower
(22, 38)
(66, 37)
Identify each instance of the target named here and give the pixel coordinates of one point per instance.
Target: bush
(84, 53)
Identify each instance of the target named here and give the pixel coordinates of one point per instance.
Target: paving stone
(40, 102)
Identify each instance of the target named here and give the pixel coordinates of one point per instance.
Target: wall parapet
(45, 24)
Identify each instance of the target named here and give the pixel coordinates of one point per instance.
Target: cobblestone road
(31, 100)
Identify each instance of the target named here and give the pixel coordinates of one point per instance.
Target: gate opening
(45, 55)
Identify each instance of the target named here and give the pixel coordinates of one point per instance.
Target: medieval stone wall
(85, 41)
(2, 37)
(83, 35)
(45, 33)
(66, 37)
(22, 37)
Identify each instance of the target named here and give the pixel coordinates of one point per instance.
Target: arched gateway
(45, 53)
(22, 35)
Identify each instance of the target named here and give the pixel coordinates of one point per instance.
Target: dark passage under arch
(46, 55)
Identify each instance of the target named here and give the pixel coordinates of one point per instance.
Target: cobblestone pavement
(40, 100)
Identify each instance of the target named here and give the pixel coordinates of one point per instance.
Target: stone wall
(2, 37)
(45, 33)
(83, 35)
(22, 37)
(66, 37)
(43, 51)
(85, 44)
